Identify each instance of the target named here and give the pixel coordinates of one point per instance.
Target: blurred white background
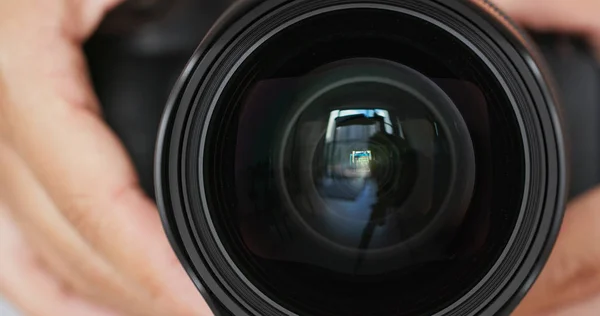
(6, 309)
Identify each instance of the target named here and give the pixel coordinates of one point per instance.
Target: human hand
(580, 17)
(93, 243)
(30, 284)
(569, 284)
(72, 190)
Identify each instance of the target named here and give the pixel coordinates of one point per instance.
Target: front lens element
(371, 170)
(364, 167)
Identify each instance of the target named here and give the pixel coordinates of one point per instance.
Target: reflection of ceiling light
(333, 115)
(360, 155)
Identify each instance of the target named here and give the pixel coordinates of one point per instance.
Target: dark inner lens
(366, 165)
(374, 168)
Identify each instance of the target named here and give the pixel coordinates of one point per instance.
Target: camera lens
(361, 158)
(364, 166)
(357, 179)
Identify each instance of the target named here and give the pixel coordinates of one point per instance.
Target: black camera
(354, 157)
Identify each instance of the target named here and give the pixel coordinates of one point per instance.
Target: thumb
(572, 274)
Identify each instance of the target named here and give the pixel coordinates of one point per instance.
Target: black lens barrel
(344, 157)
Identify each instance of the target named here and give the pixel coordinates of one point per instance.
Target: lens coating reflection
(338, 183)
(362, 184)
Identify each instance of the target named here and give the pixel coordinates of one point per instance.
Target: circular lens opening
(374, 169)
(366, 170)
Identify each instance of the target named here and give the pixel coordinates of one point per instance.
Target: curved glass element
(372, 170)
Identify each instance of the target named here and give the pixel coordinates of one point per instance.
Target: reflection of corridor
(345, 219)
(358, 209)
(330, 221)
(336, 193)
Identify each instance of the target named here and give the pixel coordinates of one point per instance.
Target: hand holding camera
(79, 237)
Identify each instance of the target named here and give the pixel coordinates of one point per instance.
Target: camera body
(135, 61)
(135, 66)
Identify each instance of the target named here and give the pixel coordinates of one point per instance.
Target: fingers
(60, 245)
(29, 286)
(572, 273)
(585, 308)
(87, 175)
(75, 19)
(556, 15)
(573, 16)
(49, 117)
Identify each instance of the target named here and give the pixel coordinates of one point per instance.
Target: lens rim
(484, 29)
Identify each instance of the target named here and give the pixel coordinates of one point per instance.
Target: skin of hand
(569, 284)
(78, 236)
(564, 16)
(89, 239)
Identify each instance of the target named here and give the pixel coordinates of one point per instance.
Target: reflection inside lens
(358, 182)
(369, 171)
(355, 176)
(372, 179)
